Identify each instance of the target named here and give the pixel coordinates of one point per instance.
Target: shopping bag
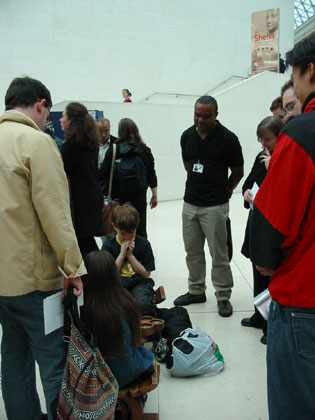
(195, 353)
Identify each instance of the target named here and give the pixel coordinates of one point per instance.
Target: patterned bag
(89, 389)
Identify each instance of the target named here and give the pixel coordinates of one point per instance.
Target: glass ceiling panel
(303, 11)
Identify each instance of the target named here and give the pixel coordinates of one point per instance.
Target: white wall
(90, 50)
(241, 108)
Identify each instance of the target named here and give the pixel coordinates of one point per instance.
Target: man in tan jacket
(39, 254)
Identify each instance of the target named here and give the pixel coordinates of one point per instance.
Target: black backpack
(130, 173)
(176, 320)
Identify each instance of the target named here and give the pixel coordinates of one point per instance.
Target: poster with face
(265, 41)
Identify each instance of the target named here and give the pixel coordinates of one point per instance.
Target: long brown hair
(128, 132)
(107, 303)
(82, 129)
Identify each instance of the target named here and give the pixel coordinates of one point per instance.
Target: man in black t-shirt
(209, 150)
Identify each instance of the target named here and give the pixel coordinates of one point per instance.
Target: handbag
(89, 390)
(109, 204)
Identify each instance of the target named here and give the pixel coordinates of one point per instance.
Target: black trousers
(87, 245)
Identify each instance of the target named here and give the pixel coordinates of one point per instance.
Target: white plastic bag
(195, 353)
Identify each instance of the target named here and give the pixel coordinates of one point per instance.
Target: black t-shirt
(207, 182)
(142, 251)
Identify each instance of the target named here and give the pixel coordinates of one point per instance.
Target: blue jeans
(23, 343)
(291, 363)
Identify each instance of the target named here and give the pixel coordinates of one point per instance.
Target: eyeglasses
(289, 107)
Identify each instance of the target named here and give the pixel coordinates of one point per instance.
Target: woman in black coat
(127, 187)
(80, 157)
(267, 132)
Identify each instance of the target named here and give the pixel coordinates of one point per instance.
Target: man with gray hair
(103, 126)
(209, 150)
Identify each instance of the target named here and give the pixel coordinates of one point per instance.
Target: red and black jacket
(282, 229)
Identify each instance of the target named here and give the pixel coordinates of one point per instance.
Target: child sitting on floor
(113, 316)
(134, 257)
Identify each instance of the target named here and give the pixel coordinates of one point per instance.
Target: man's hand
(265, 271)
(237, 173)
(153, 202)
(76, 283)
(248, 196)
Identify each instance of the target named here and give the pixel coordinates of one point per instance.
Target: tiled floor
(239, 391)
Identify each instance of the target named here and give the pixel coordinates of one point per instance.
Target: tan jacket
(38, 246)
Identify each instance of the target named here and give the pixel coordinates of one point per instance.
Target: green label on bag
(218, 355)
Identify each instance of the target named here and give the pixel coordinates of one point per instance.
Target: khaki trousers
(200, 223)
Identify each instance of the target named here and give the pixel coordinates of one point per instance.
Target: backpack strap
(112, 172)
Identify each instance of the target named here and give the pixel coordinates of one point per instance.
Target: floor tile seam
(242, 274)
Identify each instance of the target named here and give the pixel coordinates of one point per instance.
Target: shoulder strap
(112, 171)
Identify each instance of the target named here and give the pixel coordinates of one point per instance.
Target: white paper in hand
(254, 192)
(54, 311)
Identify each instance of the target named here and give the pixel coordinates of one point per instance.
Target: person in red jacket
(282, 242)
(126, 95)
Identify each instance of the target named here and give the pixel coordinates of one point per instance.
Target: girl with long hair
(129, 145)
(113, 316)
(80, 157)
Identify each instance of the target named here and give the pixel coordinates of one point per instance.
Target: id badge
(198, 167)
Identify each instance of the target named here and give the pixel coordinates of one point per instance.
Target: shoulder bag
(89, 390)
(106, 223)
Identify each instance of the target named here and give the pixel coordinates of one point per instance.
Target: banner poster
(265, 41)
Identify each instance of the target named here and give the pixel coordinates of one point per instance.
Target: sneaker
(188, 298)
(225, 309)
(161, 349)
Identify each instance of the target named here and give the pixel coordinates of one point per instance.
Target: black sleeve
(234, 152)
(144, 254)
(110, 246)
(182, 145)
(149, 164)
(257, 174)
(265, 241)
(104, 171)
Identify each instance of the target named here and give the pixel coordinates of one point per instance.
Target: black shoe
(188, 298)
(225, 309)
(252, 322)
(263, 339)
